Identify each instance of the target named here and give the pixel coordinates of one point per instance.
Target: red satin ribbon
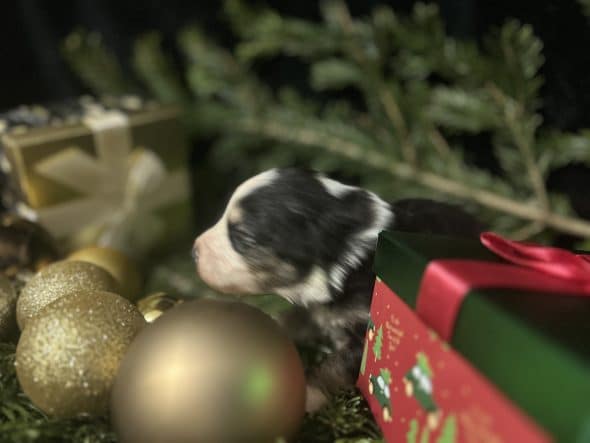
(445, 283)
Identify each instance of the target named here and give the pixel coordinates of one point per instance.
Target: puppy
(311, 240)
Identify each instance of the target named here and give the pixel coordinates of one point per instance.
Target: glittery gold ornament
(7, 309)
(67, 357)
(154, 305)
(209, 371)
(57, 280)
(117, 264)
(24, 245)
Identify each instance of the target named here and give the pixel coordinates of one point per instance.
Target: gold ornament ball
(209, 371)
(68, 356)
(121, 267)
(59, 279)
(154, 305)
(7, 309)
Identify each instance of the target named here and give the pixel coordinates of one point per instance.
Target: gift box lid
(109, 171)
(533, 346)
(30, 134)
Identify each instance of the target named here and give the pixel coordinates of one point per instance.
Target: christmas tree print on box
(418, 384)
(448, 433)
(421, 391)
(378, 344)
(379, 388)
(378, 385)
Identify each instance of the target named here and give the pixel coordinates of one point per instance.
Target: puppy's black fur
(297, 220)
(298, 224)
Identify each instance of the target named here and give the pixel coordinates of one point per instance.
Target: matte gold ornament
(209, 371)
(57, 280)
(7, 309)
(117, 264)
(24, 245)
(67, 357)
(154, 305)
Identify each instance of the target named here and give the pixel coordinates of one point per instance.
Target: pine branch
(393, 112)
(337, 12)
(523, 139)
(95, 65)
(422, 92)
(405, 171)
(585, 5)
(440, 143)
(347, 419)
(557, 149)
(157, 70)
(528, 231)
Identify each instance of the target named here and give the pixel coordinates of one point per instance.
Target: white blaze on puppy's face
(218, 264)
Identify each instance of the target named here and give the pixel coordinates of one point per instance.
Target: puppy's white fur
(219, 265)
(334, 187)
(314, 289)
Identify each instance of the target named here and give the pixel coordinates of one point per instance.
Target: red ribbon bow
(553, 261)
(530, 268)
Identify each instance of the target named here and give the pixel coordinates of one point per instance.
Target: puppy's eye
(240, 237)
(237, 230)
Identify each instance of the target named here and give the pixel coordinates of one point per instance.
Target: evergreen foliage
(412, 435)
(585, 5)
(378, 343)
(449, 431)
(395, 102)
(424, 365)
(386, 374)
(346, 419)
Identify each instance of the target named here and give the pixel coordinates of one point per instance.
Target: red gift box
(419, 389)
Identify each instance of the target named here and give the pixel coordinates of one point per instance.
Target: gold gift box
(103, 176)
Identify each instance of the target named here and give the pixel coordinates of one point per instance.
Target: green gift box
(533, 345)
(110, 172)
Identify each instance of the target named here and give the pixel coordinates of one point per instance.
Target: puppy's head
(290, 232)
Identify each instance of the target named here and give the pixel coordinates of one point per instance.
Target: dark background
(32, 70)
(32, 30)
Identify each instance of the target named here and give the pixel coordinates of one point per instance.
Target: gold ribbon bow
(121, 187)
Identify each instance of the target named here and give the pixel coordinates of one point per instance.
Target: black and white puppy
(311, 240)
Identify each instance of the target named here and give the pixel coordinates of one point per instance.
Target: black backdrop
(32, 70)
(31, 31)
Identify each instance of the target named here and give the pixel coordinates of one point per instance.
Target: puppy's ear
(352, 222)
